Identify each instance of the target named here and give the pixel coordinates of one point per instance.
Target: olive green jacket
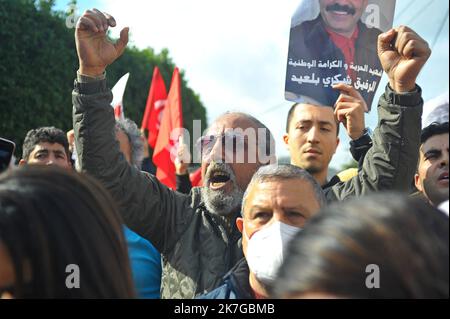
(391, 162)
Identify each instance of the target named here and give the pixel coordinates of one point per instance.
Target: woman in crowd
(60, 237)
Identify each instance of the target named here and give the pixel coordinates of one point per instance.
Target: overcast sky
(234, 52)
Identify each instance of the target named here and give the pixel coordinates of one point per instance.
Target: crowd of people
(93, 221)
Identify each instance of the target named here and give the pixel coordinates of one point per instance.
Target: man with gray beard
(219, 201)
(196, 233)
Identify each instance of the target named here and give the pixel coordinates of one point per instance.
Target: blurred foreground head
(60, 230)
(343, 249)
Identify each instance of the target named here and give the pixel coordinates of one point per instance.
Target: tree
(38, 64)
(351, 164)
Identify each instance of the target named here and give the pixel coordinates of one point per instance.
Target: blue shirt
(145, 263)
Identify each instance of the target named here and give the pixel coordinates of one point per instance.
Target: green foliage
(140, 64)
(38, 64)
(46, 5)
(351, 164)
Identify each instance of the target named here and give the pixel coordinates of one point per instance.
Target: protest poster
(333, 41)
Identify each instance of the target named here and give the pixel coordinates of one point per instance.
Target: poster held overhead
(333, 41)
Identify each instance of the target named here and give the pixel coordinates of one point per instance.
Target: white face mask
(266, 249)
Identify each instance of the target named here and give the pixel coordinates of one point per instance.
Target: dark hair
(291, 115)
(432, 130)
(51, 218)
(407, 239)
(44, 135)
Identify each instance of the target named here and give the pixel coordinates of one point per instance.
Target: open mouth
(219, 179)
(443, 177)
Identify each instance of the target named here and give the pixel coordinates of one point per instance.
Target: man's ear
(69, 161)
(22, 162)
(417, 183)
(286, 140)
(240, 223)
(337, 144)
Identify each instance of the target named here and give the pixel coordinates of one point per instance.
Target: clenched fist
(402, 53)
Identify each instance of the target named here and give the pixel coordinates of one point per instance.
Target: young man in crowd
(46, 146)
(320, 121)
(431, 178)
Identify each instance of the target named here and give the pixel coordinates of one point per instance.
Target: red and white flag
(118, 90)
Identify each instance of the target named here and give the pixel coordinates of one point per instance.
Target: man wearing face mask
(273, 211)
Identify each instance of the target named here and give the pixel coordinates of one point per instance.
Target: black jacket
(235, 285)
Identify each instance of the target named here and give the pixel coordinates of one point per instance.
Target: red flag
(172, 119)
(156, 101)
(196, 178)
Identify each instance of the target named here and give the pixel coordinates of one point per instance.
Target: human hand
(183, 158)
(145, 144)
(402, 53)
(349, 110)
(95, 51)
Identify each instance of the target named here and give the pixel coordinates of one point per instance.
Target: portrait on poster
(335, 41)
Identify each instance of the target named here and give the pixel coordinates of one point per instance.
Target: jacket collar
(227, 223)
(239, 276)
(333, 181)
(318, 40)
